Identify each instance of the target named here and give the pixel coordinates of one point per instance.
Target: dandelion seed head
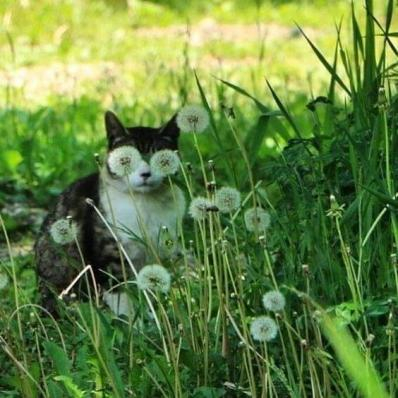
(165, 162)
(3, 280)
(124, 160)
(257, 219)
(274, 301)
(241, 259)
(63, 231)
(154, 277)
(199, 207)
(263, 328)
(227, 199)
(192, 118)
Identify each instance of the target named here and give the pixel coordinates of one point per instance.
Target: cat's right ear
(114, 128)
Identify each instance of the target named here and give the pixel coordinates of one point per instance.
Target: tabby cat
(143, 200)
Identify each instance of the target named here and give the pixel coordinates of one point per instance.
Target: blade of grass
(284, 111)
(360, 370)
(382, 197)
(387, 35)
(256, 135)
(260, 106)
(214, 130)
(369, 65)
(325, 63)
(357, 45)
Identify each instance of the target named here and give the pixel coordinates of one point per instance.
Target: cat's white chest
(141, 217)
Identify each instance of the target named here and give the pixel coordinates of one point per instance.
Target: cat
(138, 208)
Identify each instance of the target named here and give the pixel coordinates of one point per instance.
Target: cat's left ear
(170, 128)
(114, 127)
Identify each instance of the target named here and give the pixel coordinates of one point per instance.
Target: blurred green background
(66, 47)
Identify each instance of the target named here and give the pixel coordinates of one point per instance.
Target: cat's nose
(146, 175)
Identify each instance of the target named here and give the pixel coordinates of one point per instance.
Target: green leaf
(361, 371)
(70, 386)
(12, 159)
(54, 390)
(58, 356)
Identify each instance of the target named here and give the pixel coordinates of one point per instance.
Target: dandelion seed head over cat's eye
(154, 277)
(227, 199)
(199, 207)
(192, 118)
(3, 280)
(165, 162)
(63, 231)
(274, 301)
(123, 160)
(257, 219)
(263, 328)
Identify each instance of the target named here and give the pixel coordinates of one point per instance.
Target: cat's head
(147, 141)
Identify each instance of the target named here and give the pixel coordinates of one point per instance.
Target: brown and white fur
(137, 208)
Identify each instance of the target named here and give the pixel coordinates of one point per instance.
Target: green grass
(323, 167)
(88, 32)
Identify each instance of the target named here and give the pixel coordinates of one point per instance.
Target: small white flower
(199, 207)
(192, 118)
(63, 231)
(154, 277)
(124, 160)
(165, 162)
(227, 199)
(263, 328)
(274, 301)
(3, 280)
(257, 219)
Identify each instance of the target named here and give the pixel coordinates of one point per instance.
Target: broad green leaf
(73, 390)
(12, 159)
(58, 356)
(361, 371)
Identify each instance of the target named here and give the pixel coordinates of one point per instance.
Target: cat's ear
(170, 128)
(114, 127)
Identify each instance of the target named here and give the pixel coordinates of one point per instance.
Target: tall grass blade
(369, 65)
(214, 128)
(259, 131)
(362, 372)
(357, 43)
(387, 36)
(325, 63)
(284, 111)
(260, 106)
